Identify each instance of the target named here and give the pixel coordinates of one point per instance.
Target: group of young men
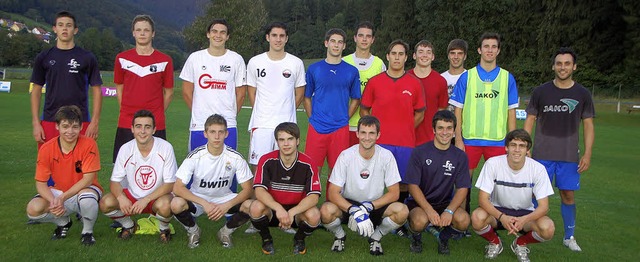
(396, 155)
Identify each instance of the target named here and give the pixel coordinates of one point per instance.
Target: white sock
(120, 217)
(335, 227)
(163, 222)
(384, 228)
(88, 203)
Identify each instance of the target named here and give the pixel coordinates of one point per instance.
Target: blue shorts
(196, 139)
(402, 155)
(566, 174)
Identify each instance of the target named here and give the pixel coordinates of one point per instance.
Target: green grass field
(607, 227)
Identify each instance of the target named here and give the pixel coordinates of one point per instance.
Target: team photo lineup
(401, 145)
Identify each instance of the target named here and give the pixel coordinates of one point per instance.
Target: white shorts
(71, 205)
(262, 142)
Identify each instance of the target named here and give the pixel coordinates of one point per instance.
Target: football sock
(262, 225)
(163, 222)
(304, 230)
(51, 218)
(529, 238)
(569, 218)
(88, 205)
(448, 232)
(238, 219)
(186, 219)
(335, 227)
(384, 228)
(489, 234)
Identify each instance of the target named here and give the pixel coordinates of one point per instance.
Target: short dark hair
(221, 21)
(215, 119)
(565, 50)
(289, 128)
(68, 14)
(71, 113)
(398, 42)
(335, 31)
(369, 120)
(367, 25)
(143, 18)
(424, 43)
(458, 44)
(518, 134)
(143, 113)
(282, 25)
(490, 35)
(444, 115)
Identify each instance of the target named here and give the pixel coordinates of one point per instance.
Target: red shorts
(326, 146)
(50, 130)
(353, 138)
(147, 210)
(475, 152)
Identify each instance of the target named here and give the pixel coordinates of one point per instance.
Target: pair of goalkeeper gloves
(359, 221)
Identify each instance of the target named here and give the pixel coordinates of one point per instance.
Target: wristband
(448, 211)
(500, 216)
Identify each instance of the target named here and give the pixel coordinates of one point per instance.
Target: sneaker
(572, 244)
(225, 239)
(402, 232)
(493, 250)
(115, 224)
(299, 247)
(251, 229)
(375, 248)
(522, 252)
(267, 247)
(416, 243)
(127, 233)
(87, 239)
(194, 239)
(61, 231)
(338, 244)
(290, 231)
(165, 236)
(443, 246)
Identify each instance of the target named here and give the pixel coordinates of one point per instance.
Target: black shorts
(511, 212)
(124, 135)
(411, 204)
(375, 215)
(275, 222)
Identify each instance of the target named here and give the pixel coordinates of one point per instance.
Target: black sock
(186, 218)
(447, 233)
(238, 219)
(262, 224)
(403, 196)
(304, 230)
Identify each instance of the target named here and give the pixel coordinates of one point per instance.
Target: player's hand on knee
(434, 217)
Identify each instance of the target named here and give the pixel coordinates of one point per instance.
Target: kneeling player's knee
(478, 218)
(399, 212)
(108, 203)
(37, 206)
(546, 228)
(257, 209)
(461, 219)
(312, 216)
(178, 205)
(328, 212)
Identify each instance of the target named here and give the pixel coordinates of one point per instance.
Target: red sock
(491, 236)
(525, 239)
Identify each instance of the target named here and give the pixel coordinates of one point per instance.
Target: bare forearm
(511, 119)
(187, 93)
(392, 195)
(81, 184)
(308, 202)
(417, 118)
(241, 92)
(458, 198)
(263, 196)
(97, 104)
(353, 106)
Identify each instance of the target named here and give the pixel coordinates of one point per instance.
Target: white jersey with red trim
(275, 83)
(143, 175)
(215, 79)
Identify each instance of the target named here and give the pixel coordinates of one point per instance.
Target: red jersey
(436, 96)
(144, 79)
(67, 169)
(393, 101)
(287, 186)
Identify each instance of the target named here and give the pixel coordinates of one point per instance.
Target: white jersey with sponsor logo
(365, 179)
(143, 175)
(275, 83)
(514, 188)
(211, 175)
(215, 79)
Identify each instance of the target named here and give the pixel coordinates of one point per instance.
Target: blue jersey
(438, 172)
(460, 91)
(330, 86)
(67, 75)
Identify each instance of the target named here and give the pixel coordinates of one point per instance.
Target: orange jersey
(67, 169)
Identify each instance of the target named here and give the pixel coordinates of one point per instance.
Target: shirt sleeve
(168, 74)
(243, 173)
(311, 84)
(414, 172)
(443, 99)
(94, 71)
(119, 168)
(486, 178)
(459, 91)
(186, 170)
(187, 70)
(38, 73)
(391, 174)
(313, 182)
(543, 187)
(367, 95)
(419, 102)
(118, 73)
(513, 92)
(339, 171)
(262, 178)
(588, 110)
(252, 78)
(170, 166)
(463, 180)
(241, 73)
(300, 77)
(532, 107)
(43, 165)
(355, 92)
(91, 158)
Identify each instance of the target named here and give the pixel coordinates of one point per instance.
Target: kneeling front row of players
(364, 192)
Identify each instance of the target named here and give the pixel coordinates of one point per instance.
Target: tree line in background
(605, 33)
